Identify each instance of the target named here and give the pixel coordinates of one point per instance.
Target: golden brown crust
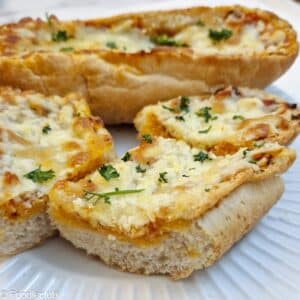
(138, 79)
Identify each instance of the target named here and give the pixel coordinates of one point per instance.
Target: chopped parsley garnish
(180, 118)
(252, 161)
(185, 175)
(200, 23)
(48, 19)
(259, 144)
(108, 172)
(168, 108)
(60, 36)
(162, 177)
(165, 40)
(204, 112)
(205, 130)
(201, 156)
(147, 138)
(245, 153)
(206, 189)
(40, 176)
(238, 117)
(126, 156)
(184, 103)
(139, 169)
(66, 49)
(111, 45)
(217, 36)
(95, 197)
(46, 129)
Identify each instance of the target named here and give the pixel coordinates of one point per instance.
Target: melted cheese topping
(187, 186)
(255, 37)
(24, 146)
(233, 119)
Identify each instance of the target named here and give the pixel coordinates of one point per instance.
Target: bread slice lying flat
(42, 139)
(141, 58)
(166, 207)
(224, 120)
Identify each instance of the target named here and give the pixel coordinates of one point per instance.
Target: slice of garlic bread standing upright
(168, 208)
(224, 120)
(42, 139)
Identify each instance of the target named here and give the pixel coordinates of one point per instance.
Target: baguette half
(123, 63)
(150, 201)
(42, 139)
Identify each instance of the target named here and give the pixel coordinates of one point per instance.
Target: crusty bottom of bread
(184, 251)
(19, 235)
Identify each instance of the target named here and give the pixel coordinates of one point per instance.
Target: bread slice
(140, 212)
(224, 120)
(142, 58)
(42, 139)
(183, 250)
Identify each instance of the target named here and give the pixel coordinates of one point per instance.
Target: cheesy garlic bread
(42, 139)
(168, 208)
(223, 121)
(123, 63)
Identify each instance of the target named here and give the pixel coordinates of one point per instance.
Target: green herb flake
(40, 176)
(162, 177)
(252, 161)
(95, 197)
(147, 138)
(238, 117)
(205, 130)
(48, 19)
(200, 23)
(46, 129)
(66, 49)
(108, 172)
(60, 36)
(126, 156)
(185, 176)
(217, 36)
(180, 118)
(201, 156)
(204, 112)
(139, 169)
(111, 45)
(206, 189)
(184, 104)
(259, 144)
(168, 108)
(245, 152)
(164, 40)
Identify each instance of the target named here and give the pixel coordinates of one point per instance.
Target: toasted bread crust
(184, 249)
(108, 79)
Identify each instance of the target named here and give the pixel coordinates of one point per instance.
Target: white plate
(265, 265)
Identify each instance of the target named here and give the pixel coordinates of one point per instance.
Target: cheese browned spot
(227, 119)
(178, 183)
